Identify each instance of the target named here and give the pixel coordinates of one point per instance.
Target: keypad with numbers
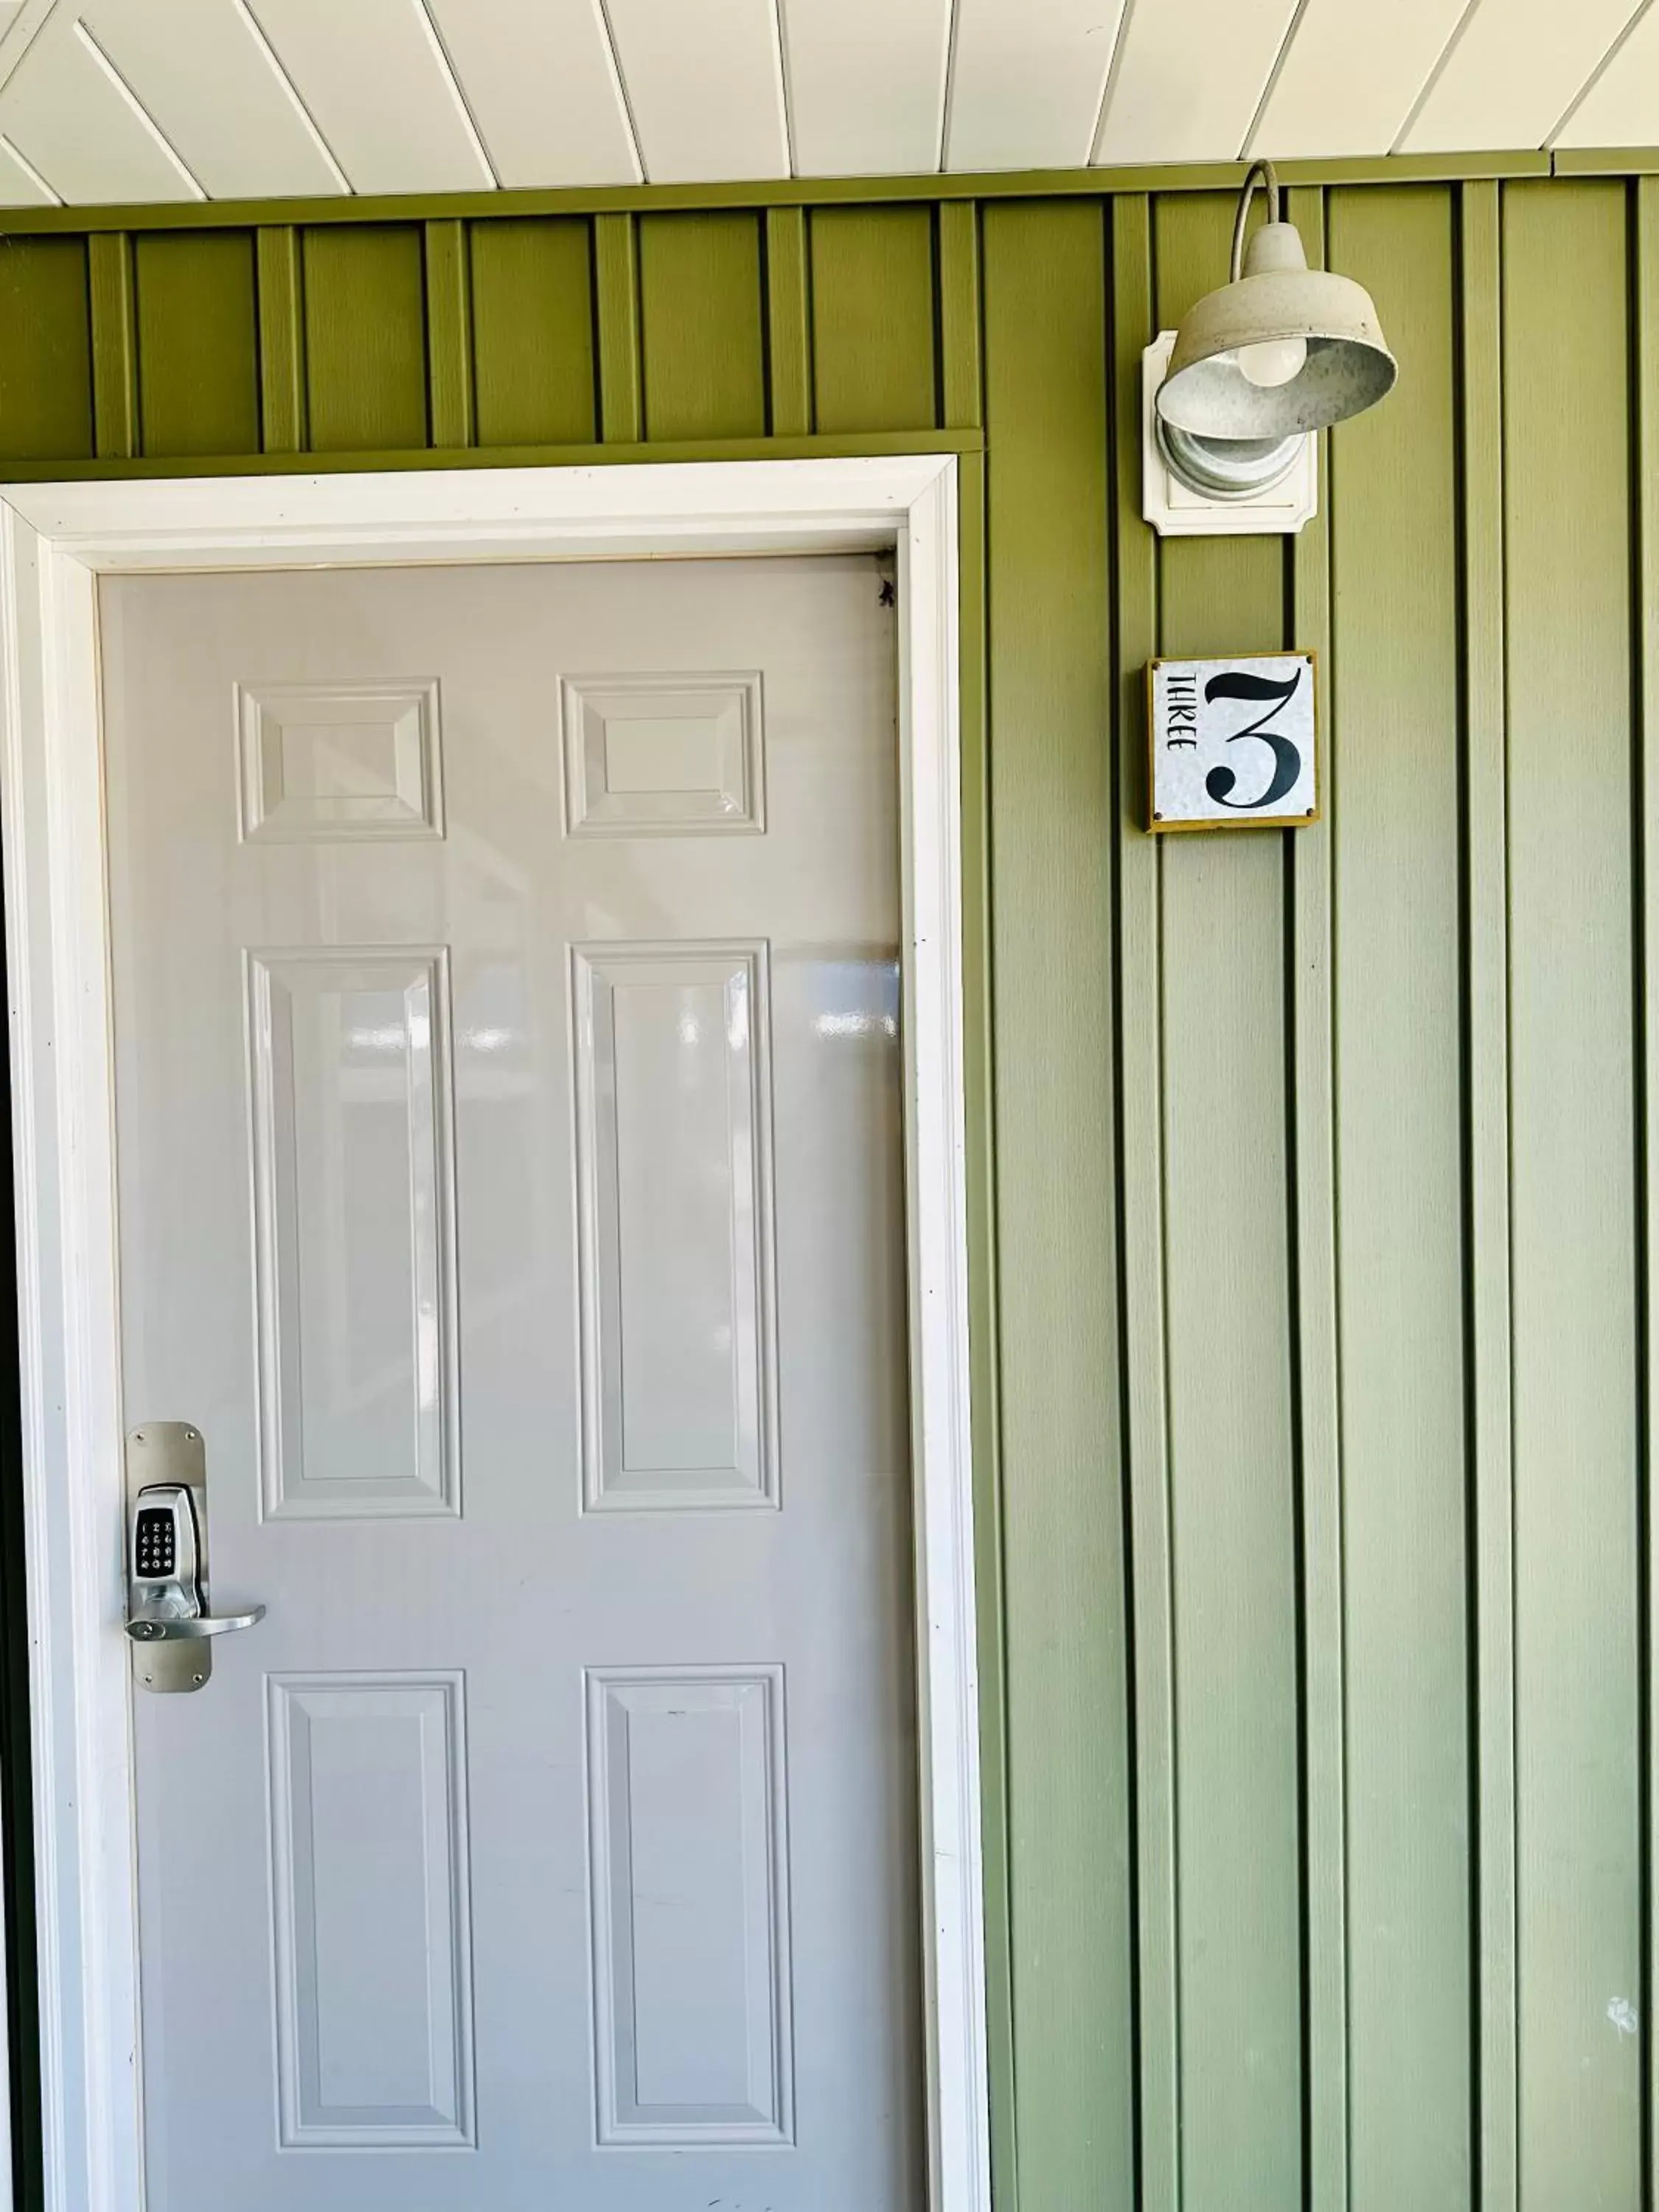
(157, 1544)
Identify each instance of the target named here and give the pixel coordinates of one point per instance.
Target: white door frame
(55, 540)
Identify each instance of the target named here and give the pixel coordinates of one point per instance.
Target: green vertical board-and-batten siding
(1310, 1204)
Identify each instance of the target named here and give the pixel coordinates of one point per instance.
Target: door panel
(510, 1187)
(370, 1908)
(353, 1231)
(675, 1226)
(690, 1917)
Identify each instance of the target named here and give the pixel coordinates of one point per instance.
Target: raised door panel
(371, 1917)
(686, 1794)
(354, 1216)
(671, 756)
(673, 1138)
(340, 760)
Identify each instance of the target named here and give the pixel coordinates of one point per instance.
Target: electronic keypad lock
(168, 1617)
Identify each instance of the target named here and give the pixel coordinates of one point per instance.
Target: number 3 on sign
(1232, 742)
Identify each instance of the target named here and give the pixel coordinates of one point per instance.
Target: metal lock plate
(165, 1452)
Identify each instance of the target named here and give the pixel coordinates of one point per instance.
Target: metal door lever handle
(192, 1629)
(170, 1622)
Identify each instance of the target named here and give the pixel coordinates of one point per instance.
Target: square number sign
(1233, 745)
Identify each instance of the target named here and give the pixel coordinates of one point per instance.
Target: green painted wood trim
(1312, 1140)
(1225, 1097)
(616, 293)
(979, 1083)
(364, 296)
(1644, 354)
(1605, 162)
(449, 334)
(1398, 1015)
(785, 192)
(1486, 987)
(875, 317)
(1063, 1479)
(281, 340)
(788, 325)
(533, 371)
(962, 369)
(702, 339)
(1141, 1180)
(197, 337)
(114, 350)
(869, 445)
(45, 352)
(1574, 1206)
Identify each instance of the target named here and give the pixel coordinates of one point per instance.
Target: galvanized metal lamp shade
(1280, 351)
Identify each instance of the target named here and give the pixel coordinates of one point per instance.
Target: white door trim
(54, 541)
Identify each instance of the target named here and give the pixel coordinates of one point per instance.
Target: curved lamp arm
(1262, 172)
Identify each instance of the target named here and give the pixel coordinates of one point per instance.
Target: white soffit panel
(1189, 77)
(1026, 83)
(373, 76)
(70, 115)
(1351, 74)
(144, 101)
(1515, 67)
(204, 73)
(1621, 107)
(542, 84)
(20, 185)
(866, 84)
(704, 81)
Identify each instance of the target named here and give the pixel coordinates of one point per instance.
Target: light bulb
(1274, 360)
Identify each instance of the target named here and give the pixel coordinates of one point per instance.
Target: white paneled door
(510, 1190)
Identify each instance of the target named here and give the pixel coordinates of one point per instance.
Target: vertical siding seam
(1144, 1317)
(451, 411)
(114, 345)
(788, 325)
(1312, 1142)
(1490, 1252)
(281, 340)
(617, 295)
(1644, 352)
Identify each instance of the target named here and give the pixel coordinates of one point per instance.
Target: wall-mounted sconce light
(1279, 352)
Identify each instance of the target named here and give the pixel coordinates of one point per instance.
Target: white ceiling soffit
(105, 100)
